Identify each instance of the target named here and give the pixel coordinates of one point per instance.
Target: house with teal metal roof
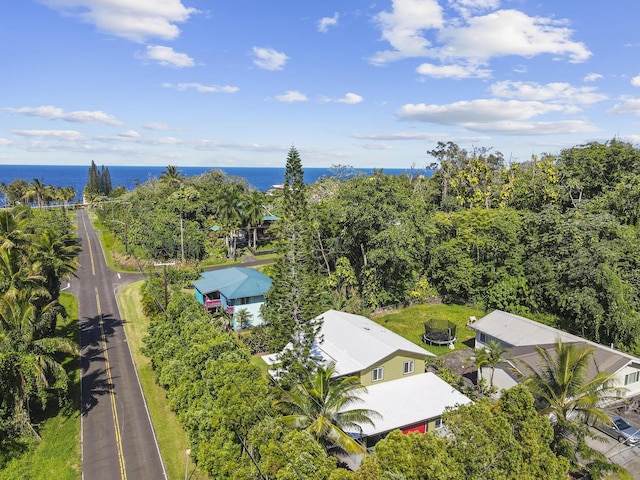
(234, 289)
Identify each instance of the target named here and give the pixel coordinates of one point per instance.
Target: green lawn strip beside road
(57, 456)
(408, 323)
(170, 434)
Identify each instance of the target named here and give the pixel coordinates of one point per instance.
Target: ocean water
(129, 177)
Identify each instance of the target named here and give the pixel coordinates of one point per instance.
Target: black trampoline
(439, 332)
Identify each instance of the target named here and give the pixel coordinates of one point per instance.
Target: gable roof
(407, 401)
(356, 343)
(235, 282)
(602, 361)
(516, 331)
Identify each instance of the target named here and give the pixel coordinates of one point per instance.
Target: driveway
(616, 452)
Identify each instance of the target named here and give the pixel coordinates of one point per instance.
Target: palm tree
(227, 208)
(321, 407)
(54, 258)
(29, 365)
(37, 190)
(566, 392)
(172, 176)
(65, 194)
(12, 231)
(243, 318)
(253, 212)
(491, 355)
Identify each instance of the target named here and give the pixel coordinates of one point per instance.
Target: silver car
(620, 430)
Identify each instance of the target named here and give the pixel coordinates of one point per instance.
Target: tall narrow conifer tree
(291, 305)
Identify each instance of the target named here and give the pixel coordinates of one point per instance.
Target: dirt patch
(459, 361)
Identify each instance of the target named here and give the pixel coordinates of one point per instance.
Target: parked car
(620, 429)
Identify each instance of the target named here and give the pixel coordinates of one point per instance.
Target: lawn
(170, 434)
(408, 324)
(58, 454)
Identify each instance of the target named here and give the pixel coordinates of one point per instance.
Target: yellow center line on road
(112, 395)
(84, 223)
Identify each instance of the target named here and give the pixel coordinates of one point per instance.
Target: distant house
(233, 289)
(391, 367)
(521, 335)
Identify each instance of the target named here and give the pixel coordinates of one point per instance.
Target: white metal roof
(355, 343)
(407, 401)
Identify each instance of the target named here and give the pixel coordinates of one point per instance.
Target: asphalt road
(118, 441)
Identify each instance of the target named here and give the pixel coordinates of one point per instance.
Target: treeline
(19, 192)
(171, 218)
(555, 238)
(37, 251)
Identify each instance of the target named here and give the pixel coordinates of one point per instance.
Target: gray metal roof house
(522, 335)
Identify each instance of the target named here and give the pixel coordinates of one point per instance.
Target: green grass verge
(57, 456)
(408, 324)
(172, 438)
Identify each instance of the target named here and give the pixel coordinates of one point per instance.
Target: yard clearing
(408, 323)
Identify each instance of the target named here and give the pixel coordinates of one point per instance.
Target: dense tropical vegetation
(555, 238)
(37, 251)
(36, 193)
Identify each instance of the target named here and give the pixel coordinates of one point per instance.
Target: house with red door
(393, 370)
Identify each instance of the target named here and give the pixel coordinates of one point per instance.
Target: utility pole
(166, 288)
(181, 238)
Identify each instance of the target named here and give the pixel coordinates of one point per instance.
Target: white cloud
(473, 39)
(510, 32)
(68, 135)
(349, 98)
(168, 57)
(376, 146)
(558, 91)
(535, 128)
(4, 142)
(54, 113)
(292, 96)
(482, 110)
(135, 20)
(199, 87)
(269, 59)
(326, 22)
(627, 106)
(497, 116)
(468, 7)
(129, 134)
(453, 71)
(635, 81)
(156, 126)
(398, 136)
(403, 26)
(132, 136)
(592, 77)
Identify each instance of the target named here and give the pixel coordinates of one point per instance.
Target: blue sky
(367, 84)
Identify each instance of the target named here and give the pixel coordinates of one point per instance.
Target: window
(437, 424)
(631, 378)
(409, 367)
(483, 338)
(377, 374)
